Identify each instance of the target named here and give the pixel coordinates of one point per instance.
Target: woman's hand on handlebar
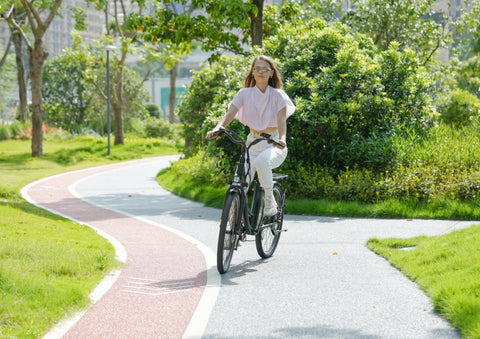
(280, 144)
(214, 133)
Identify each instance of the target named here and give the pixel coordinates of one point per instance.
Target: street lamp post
(108, 48)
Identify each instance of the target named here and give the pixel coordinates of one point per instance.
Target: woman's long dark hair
(275, 81)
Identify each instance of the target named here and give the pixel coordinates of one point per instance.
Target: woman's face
(262, 71)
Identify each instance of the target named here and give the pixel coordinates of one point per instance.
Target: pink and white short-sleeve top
(259, 110)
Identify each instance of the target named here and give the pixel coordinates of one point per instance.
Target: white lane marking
(154, 287)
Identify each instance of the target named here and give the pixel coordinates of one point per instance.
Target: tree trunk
(118, 111)
(118, 107)
(36, 60)
(256, 24)
(173, 90)
(22, 113)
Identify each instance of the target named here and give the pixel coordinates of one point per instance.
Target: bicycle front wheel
(227, 238)
(269, 234)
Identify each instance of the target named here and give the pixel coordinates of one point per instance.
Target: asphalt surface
(322, 282)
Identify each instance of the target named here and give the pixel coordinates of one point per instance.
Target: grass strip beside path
(447, 268)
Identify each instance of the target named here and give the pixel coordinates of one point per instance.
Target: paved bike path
(321, 283)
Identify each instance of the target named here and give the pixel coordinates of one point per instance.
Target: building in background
(58, 36)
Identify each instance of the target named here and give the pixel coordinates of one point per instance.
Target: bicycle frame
(251, 216)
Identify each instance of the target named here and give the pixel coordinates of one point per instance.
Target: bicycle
(238, 219)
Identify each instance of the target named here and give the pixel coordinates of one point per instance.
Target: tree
(256, 20)
(117, 29)
(459, 99)
(5, 52)
(7, 84)
(66, 94)
(38, 24)
(468, 30)
(175, 25)
(411, 23)
(211, 23)
(22, 112)
(74, 91)
(171, 54)
(18, 15)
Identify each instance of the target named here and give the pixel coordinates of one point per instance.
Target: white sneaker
(270, 208)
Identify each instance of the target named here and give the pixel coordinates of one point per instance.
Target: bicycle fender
(234, 190)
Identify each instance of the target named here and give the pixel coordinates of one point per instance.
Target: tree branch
(8, 14)
(145, 78)
(7, 49)
(100, 90)
(11, 20)
(437, 46)
(52, 14)
(34, 18)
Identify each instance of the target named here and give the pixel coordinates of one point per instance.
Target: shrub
(314, 182)
(355, 105)
(157, 128)
(16, 128)
(460, 108)
(153, 110)
(5, 132)
(348, 94)
(200, 168)
(58, 134)
(442, 166)
(12, 130)
(207, 99)
(467, 74)
(416, 182)
(350, 98)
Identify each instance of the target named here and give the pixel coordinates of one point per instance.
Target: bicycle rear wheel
(227, 239)
(269, 234)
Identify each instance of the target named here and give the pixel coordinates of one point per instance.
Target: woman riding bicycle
(264, 107)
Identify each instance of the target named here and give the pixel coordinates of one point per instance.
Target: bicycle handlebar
(231, 135)
(236, 139)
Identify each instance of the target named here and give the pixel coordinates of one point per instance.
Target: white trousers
(264, 157)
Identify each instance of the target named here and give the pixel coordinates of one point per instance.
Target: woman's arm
(225, 121)
(282, 127)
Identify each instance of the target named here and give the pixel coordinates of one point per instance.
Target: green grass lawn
(48, 264)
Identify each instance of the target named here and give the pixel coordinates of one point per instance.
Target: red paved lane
(161, 284)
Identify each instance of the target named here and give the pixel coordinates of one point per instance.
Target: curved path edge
(198, 322)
